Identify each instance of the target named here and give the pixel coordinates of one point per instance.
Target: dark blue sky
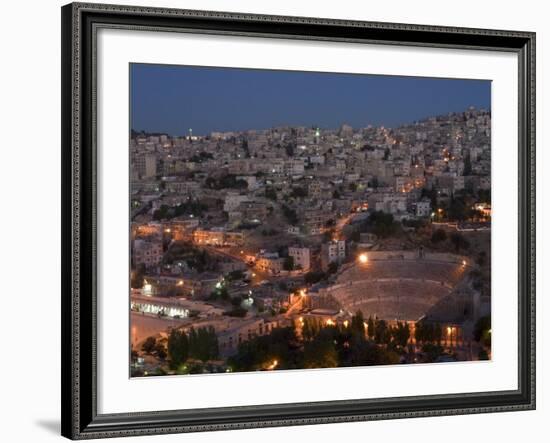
(172, 99)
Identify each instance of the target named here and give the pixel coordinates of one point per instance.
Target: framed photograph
(274, 221)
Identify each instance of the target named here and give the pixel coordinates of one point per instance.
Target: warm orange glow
(363, 258)
(273, 365)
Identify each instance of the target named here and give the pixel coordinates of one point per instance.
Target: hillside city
(307, 247)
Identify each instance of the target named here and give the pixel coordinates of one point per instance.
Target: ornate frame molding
(79, 391)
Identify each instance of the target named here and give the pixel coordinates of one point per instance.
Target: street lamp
(363, 258)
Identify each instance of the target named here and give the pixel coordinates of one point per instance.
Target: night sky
(172, 99)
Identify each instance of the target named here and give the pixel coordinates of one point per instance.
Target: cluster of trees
(258, 353)
(382, 333)
(195, 258)
(324, 345)
(199, 344)
(190, 207)
(290, 215)
(152, 346)
(137, 276)
(428, 333)
(457, 239)
(482, 331)
(381, 224)
(226, 181)
(299, 192)
(201, 157)
(412, 223)
(271, 193)
(288, 264)
(245, 148)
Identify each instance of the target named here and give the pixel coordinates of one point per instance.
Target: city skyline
(161, 101)
(295, 248)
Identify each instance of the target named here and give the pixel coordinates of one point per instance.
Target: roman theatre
(402, 286)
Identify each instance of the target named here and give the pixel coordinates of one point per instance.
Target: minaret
(190, 134)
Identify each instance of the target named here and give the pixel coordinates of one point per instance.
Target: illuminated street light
(363, 258)
(147, 288)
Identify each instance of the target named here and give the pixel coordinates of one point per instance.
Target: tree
(332, 268)
(370, 327)
(299, 192)
(482, 331)
(432, 352)
(358, 324)
(178, 348)
(137, 277)
(439, 235)
(424, 332)
(438, 333)
(313, 277)
(280, 344)
(381, 224)
(459, 241)
(374, 183)
(271, 193)
(482, 355)
(467, 165)
(160, 350)
(290, 215)
(288, 264)
(310, 329)
(321, 351)
(401, 334)
(203, 344)
(148, 345)
(381, 335)
(458, 209)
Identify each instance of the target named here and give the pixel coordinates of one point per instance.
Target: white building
(232, 201)
(148, 253)
(392, 203)
(333, 252)
(301, 256)
(423, 208)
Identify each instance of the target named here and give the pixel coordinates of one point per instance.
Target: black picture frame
(79, 174)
